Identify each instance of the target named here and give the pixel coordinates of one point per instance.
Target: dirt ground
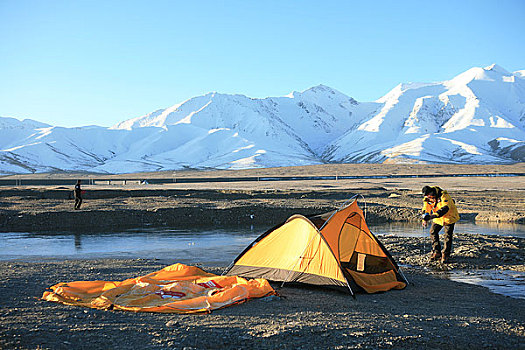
(118, 207)
(432, 312)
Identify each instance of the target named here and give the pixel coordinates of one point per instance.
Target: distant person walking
(439, 207)
(78, 195)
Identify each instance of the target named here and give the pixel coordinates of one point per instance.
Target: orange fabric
(175, 289)
(351, 214)
(367, 245)
(347, 241)
(373, 283)
(296, 246)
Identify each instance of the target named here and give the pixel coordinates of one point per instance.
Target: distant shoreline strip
(171, 180)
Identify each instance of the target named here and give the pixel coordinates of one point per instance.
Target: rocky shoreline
(51, 209)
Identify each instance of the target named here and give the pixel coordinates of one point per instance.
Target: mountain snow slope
(476, 117)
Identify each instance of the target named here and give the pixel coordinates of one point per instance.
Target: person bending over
(439, 208)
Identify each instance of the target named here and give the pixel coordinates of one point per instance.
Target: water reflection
(183, 245)
(78, 241)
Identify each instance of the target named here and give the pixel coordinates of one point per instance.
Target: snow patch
(464, 146)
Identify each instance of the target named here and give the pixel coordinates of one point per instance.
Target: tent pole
(228, 268)
(402, 274)
(344, 205)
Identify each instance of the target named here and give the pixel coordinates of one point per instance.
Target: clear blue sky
(79, 62)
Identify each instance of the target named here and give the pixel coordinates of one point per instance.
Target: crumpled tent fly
(334, 249)
(175, 289)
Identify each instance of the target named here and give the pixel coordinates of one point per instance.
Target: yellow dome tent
(334, 249)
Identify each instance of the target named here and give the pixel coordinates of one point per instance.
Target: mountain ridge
(476, 117)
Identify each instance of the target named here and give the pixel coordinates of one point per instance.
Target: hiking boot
(435, 256)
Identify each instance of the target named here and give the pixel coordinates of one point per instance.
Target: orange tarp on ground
(175, 289)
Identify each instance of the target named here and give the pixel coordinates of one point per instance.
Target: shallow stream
(218, 247)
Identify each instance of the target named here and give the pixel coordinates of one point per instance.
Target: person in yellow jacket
(439, 207)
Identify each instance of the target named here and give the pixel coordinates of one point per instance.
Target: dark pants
(78, 202)
(434, 235)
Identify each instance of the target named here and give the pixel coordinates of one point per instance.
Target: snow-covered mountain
(476, 117)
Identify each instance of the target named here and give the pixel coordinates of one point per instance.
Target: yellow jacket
(443, 200)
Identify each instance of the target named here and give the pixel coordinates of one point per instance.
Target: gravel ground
(37, 209)
(432, 312)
